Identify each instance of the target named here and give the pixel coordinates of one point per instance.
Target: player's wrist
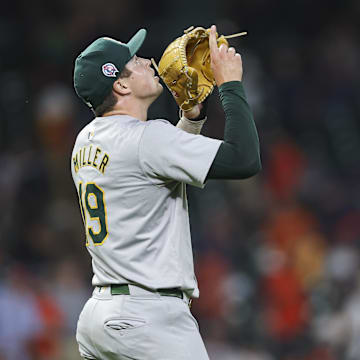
(201, 114)
(230, 84)
(194, 113)
(197, 118)
(191, 126)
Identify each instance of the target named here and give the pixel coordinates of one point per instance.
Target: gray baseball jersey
(131, 179)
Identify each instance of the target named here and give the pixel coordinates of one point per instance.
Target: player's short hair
(110, 100)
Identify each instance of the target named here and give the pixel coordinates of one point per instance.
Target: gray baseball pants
(141, 326)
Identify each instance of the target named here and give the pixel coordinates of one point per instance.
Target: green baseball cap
(100, 64)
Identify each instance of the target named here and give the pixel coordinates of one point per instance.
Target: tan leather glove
(185, 67)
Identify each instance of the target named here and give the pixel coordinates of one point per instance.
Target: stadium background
(276, 256)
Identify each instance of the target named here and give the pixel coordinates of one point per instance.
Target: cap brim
(136, 41)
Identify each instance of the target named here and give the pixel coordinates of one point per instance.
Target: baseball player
(131, 176)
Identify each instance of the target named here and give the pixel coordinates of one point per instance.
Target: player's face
(143, 82)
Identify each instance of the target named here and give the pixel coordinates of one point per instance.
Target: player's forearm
(239, 155)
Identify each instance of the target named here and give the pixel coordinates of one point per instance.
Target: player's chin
(157, 80)
(159, 89)
(156, 92)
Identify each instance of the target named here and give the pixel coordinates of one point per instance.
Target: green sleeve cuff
(233, 86)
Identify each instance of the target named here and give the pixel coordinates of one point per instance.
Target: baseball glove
(185, 66)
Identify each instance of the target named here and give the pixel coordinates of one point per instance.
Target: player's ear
(121, 87)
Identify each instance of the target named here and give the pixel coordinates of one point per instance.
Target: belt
(124, 290)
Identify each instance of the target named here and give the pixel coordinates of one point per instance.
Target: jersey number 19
(93, 199)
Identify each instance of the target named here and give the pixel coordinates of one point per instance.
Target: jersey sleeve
(171, 153)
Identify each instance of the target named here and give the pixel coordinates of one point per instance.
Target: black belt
(124, 290)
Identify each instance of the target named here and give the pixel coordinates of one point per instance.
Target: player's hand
(226, 63)
(194, 112)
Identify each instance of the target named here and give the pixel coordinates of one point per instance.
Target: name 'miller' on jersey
(131, 178)
(86, 156)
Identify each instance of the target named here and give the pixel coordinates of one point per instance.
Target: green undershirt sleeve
(238, 156)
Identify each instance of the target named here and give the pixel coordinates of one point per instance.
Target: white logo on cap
(109, 70)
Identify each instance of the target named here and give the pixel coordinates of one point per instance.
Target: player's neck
(134, 114)
(138, 111)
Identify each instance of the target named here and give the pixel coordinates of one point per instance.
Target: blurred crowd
(277, 256)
